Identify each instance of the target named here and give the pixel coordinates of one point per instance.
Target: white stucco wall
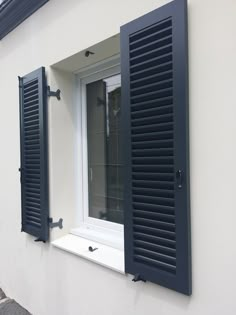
(49, 281)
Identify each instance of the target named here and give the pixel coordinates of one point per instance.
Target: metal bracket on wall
(56, 94)
(55, 224)
(52, 225)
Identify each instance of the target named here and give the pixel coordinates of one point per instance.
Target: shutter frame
(41, 229)
(181, 280)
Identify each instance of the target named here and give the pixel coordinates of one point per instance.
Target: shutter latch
(57, 94)
(179, 178)
(137, 278)
(55, 224)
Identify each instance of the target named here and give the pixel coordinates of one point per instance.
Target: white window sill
(98, 234)
(106, 256)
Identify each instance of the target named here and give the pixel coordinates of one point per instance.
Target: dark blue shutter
(34, 155)
(154, 69)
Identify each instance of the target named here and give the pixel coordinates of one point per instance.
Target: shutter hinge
(51, 225)
(179, 178)
(21, 170)
(57, 94)
(20, 82)
(55, 224)
(137, 278)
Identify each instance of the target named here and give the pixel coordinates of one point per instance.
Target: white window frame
(108, 233)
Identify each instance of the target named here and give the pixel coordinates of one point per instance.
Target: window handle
(179, 178)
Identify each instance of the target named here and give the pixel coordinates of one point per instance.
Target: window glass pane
(104, 149)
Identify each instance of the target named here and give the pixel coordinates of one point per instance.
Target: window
(102, 153)
(105, 186)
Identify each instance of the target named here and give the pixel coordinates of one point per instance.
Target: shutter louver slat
(148, 65)
(152, 191)
(149, 34)
(152, 239)
(152, 45)
(154, 78)
(153, 111)
(155, 263)
(156, 247)
(165, 101)
(34, 185)
(154, 71)
(150, 87)
(30, 108)
(152, 207)
(157, 215)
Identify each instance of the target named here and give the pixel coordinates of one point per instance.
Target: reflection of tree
(114, 98)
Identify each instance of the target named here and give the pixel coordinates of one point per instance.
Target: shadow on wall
(66, 82)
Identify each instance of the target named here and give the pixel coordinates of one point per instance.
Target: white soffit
(103, 50)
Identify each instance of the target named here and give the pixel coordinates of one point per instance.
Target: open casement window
(101, 149)
(103, 137)
(34, 159)
(154, 70)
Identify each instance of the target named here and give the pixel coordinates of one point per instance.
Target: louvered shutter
(34, 160)
(154, 69)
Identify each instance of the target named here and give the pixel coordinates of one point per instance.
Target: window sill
(109, 237)
(104, 255)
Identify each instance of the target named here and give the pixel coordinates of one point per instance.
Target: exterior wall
(49, 281)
